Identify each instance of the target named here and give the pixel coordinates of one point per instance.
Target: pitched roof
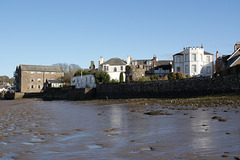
(115, 61)
(40, 68)
(180, 53)
(235, 52)
(233, 60)
(162, 62)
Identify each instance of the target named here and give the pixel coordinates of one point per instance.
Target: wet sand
(119, 129)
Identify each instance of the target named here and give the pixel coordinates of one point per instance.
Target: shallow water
(86, 131)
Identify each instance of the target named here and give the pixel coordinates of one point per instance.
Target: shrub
(179, 75)
(102, 77)
(81, 72)
(121, 77)
(154, 78)
(171, 76)
(114, 81)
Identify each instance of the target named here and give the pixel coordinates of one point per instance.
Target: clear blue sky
(45, 32)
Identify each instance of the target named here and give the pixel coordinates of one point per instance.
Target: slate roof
(115, 61)
(166, 62)
(232, 60)
(40, 68)
(142, 62)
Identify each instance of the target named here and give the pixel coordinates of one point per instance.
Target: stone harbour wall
(169, 88)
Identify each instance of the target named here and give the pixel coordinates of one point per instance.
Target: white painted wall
(114, 71)
(85, 81)
(194, 56)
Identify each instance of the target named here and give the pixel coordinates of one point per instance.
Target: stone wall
(170, 88)
(69, 94)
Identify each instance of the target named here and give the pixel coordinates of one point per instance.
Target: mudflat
(193, 128)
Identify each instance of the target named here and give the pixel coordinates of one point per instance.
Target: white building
(84, 81)
(193, 61)
(114, 67)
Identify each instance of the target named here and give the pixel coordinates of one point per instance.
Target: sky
(46, 32)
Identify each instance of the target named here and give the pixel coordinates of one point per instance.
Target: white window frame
(194, 68)
(194, 57)
(186, 69)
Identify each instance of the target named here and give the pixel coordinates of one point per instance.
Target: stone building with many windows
(194, 61)
(31, 78)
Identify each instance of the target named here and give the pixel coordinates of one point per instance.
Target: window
(208, 58)
(208, 69)
(178, 69)
(194, 68)
(46, 73)
(121, 68)
(194, 57)
(39, 72)
(201, 67)
(178, 58)
(105, 68)
(32, 72)
(32, 86)
(39, 80)
(186, 57)
(32, 80)
(53, 73)
(39, 87)
(186, 68)
(201, 57)
(115, 69)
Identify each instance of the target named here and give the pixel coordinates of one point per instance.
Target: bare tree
(64, 66)
(75, 66)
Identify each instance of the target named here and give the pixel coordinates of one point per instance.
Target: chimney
(128, 60)
(236, 46)
(217, 55)
(155, 58)
(101, 60)
(92, 66)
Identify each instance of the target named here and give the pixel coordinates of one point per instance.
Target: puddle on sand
(97, 146)
(72, 137)
(27, 143)
(142, 149)
(7, 156)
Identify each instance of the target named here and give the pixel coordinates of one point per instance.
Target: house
(154, 66)
(226, 61)
(31, 78)
(84, 81)
(162, 68)
(114, 67)
(147, 67)
(53, 84)
(193, 61)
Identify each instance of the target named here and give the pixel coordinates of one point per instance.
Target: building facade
(194, 61)
(84, 81)
(31, 78)
(114, 67)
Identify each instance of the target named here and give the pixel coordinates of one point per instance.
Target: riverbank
(228, 99)
(121, 129)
